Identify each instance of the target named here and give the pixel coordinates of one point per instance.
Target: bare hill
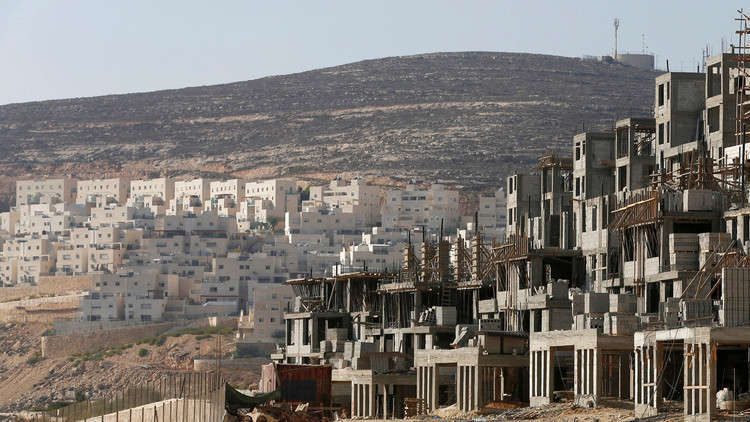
(468, 117)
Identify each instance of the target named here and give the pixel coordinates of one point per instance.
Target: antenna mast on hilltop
(617, 26)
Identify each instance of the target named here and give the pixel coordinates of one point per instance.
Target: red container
(300, 383)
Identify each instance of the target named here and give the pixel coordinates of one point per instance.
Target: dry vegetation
(28, 381)
(467, 117)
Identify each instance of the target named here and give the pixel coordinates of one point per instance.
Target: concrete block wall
(47, 285)
(69, 344)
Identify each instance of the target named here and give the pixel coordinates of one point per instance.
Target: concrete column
(710, 380)
(420, 382)
(355, 397)
(372, 400)
(502, 384)
(479, 387)
(459, 387)
(363, 400)
(385, 400)
(428, 387)
(688, 379)
(472, 383)
(596, 373)
(435, 385)
(638, 378)
(590, 372)
(658, 358)
(532, 375)
(576, 378)
(548, 374)
(582, 371)
(647, 375)
(466, 379)
(701, 379)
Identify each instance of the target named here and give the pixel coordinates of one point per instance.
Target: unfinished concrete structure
(623, 275)
(663, 313)
(433, 331)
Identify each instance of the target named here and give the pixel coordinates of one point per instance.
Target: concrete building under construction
(623, 275)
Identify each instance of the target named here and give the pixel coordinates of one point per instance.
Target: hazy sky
(58, 49)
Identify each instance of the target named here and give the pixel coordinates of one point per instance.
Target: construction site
(624, 277)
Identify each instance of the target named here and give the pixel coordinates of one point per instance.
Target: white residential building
(491, 213)
(43, 191)
(357, 197)
(413, 207)
(269, 200)
(116, 189)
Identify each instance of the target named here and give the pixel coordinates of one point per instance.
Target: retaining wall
(69, 344)
(48, 285)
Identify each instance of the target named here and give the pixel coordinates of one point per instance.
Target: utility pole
(617, 26)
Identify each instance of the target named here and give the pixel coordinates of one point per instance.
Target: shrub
(142, 352)
(34, 358)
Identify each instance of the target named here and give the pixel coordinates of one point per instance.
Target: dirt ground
(29, 382)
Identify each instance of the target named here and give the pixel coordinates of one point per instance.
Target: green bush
(142, 352)
(34, 358)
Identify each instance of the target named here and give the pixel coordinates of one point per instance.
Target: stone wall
(47, 286)
(204, 365)
(69, 344)
(44, 309)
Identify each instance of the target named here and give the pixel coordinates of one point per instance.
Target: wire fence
(173, 397)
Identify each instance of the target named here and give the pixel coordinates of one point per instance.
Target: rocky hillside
(28, 381)
(467, 117)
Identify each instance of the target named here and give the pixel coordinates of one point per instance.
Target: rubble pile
(282, 413)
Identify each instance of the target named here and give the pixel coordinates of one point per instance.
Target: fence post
(183, 394)
(203, 395)
(195, 395)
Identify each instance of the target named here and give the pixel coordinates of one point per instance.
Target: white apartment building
(72, 260)
(205, 222)
(413, 207)
(154, 194)
(106, 216)
(266, 317)
(9, 220)
(41, 191)
(98, 306)
(378, 250)
(197, 188)
(130, 294)
(271, 199)
(233, 188)
(105, 258)
(491, 213)
(162, 188)
(49, 218)
(90, 191)
(370, 257)
(357, 197)
(319, 219)
(25, 259)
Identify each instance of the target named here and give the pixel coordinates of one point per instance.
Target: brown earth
(25, 384)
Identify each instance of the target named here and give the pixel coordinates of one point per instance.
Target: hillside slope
(468, 117)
